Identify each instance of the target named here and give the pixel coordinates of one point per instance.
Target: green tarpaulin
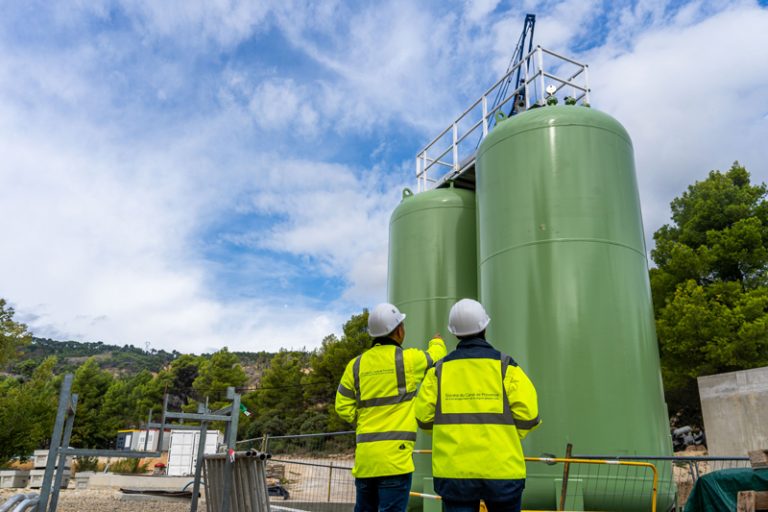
(718, 491)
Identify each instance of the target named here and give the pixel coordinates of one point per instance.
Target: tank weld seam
(625, 139)
(429, 299)
(420, 210)
(553, 240)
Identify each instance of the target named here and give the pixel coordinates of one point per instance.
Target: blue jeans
(382, 493)
(474, 506)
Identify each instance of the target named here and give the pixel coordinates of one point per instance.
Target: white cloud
(329, 213)
(109, 192)
(475, 11)
(392, 60)
(224, 22)
(103, 227)
(280, 104)
(97, 253)
(558, 25)
(689, 94)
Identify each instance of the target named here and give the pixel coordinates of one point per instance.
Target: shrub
(86, 464)
(132, 466)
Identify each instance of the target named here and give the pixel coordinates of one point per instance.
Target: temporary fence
(591, 484)
(685, 467)
(316, 468)
(309, 469)
(595, 484)
(249, 485)
(678, 474)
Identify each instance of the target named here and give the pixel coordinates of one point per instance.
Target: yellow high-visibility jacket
(376, 394)
(478, 404)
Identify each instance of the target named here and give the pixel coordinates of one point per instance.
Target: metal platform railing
(544, 75)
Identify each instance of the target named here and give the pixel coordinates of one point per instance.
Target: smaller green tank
(432, 264)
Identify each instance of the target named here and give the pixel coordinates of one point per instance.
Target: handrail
(431, 170)
(556, 460)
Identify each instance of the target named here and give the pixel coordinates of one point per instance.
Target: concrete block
(36, 478)
(115, 481)
(13, 478)
(735, 410)
(40, 459)
(82, 478)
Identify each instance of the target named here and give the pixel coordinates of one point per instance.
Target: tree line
(710, 293)
(710, 285)
(293, 395)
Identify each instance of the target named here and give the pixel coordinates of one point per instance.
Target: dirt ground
(86, 500)
(682, 474)
(307, 479)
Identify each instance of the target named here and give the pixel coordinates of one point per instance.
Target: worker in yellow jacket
(377, 394)
(478, 404)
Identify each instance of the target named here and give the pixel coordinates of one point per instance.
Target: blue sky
(200, 174)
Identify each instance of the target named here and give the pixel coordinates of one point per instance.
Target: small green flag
(244, 410)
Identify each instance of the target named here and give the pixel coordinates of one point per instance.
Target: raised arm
(346, 401)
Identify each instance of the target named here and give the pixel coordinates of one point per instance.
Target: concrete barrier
(735, 410)
(40, 459)
(117, 481)
(13, 478)
(36, 479)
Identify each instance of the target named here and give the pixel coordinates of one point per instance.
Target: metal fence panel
(247, 489)
(310, 471)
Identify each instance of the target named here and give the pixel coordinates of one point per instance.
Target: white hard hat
(384, 319)
(467, 317)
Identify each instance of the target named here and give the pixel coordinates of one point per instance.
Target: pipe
(258, 454)
(248, 453)
(191, 482)
(13, 500)
(27, 503)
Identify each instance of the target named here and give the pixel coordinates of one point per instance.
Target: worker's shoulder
(351, 362)
(508, 359)
(414, 351)
(430, 374)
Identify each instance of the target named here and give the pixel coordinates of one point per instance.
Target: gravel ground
(76, 500)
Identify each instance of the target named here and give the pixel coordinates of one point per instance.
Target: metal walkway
(545, 76)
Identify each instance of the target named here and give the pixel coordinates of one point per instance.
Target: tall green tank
(563, 274)
(432, 264)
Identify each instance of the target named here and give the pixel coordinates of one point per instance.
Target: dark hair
(480, 334)
(392, 332)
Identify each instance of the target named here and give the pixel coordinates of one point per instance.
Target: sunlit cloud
(201, 174)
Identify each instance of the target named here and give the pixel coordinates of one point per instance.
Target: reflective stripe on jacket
(376, 393)
(479, 404)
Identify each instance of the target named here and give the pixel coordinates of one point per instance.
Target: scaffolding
(226, 484)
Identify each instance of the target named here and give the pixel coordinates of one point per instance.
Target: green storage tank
(563, 274)
(432, 264)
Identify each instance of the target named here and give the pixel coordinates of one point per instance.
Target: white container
(13, 478)
(82, 478)
(40, 459)
(182, 453)
(36, 478)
